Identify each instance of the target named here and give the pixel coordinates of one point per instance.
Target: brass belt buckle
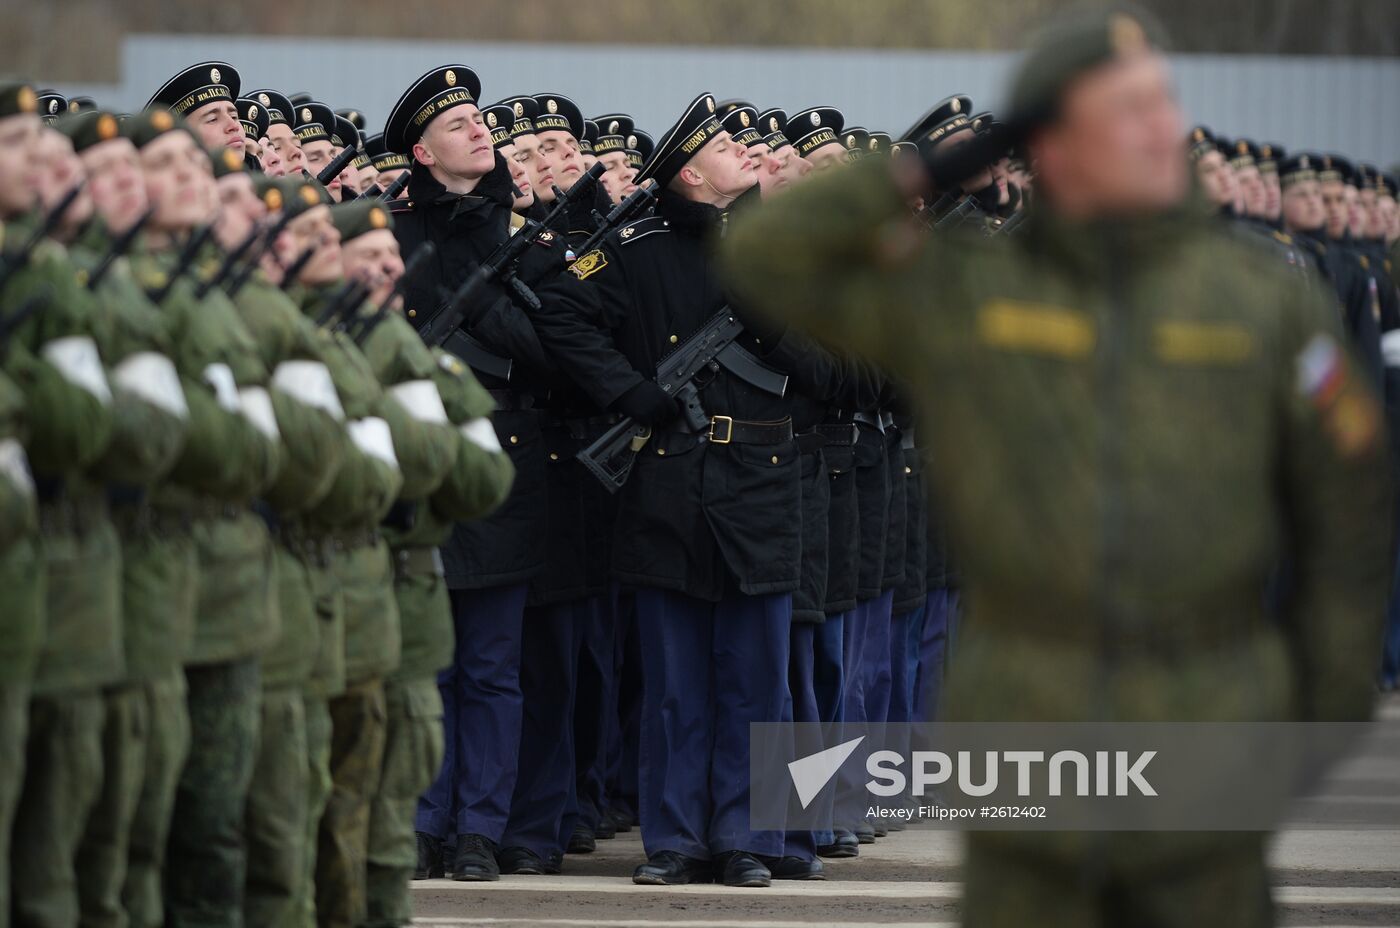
(728, 430)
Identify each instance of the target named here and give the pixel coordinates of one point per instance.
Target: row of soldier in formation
(256, 504)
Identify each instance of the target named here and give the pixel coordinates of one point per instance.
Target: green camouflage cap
(227, 161)
(295, 195)
(17, 97)
(359, 217)
(89, 128)
(144, 128)
(1068, 49)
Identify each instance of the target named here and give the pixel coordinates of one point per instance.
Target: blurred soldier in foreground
(1084, 371)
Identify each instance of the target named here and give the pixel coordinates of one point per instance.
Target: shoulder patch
(1283, 237)
(589, 264)
(642, 228)
(1365, 262)
(450, 364)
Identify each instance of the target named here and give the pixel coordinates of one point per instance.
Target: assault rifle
(611, 456)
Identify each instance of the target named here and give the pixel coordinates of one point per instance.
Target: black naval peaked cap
(52, 105)
(357, 119)
(556, 112)
(773, 124)
(1199, 141)
(741, 122)
(724, 107)
(697, 125)
(855, 140)
(313, 122)
(381, 158)
(1243, 153)
(640, 145)
(812, 128)
(613, 129)
(427, 98)
(879, 143)
(1385, 184)
(344, 134)
(1270, 154)
(510, 119)
(300, 97)
(1070, 47)
(589, 137)
(89, 128)
(278, 106)
(81, 104)
(254, 116)
(948, 114)
(1298, 167)
(17, 98)
(206, 82)
(1335, 167)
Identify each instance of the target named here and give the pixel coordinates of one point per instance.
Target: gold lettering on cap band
(200, 97)
(441, 102)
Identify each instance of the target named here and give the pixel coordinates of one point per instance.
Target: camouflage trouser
(101, 862)
(318, 793)
(1008, 887)
(206, 866)
(357, 752)
(14, 722)
(412, 756)
(276, 815)
(167, 747)
(62, 778)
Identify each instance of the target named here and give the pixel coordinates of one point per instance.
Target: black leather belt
(726, 430)
(839, 433)
(510, 401)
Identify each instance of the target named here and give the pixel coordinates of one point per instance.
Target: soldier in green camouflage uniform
(1133, 414)
(21, 565)
(236, 607)
(359, 483)
(424, 444)
(314, 444)
(151, 416)
(479, 480)
(54, 357)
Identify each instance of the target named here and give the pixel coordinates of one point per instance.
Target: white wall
(1350, 105)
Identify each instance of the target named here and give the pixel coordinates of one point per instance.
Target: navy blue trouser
(850, 791)
(482, 708)
(802, 707)
(709, 670)
(829, 686)
(544, 783)
(595, 708)
(624, 738)
(932, 652)
(876, 658)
